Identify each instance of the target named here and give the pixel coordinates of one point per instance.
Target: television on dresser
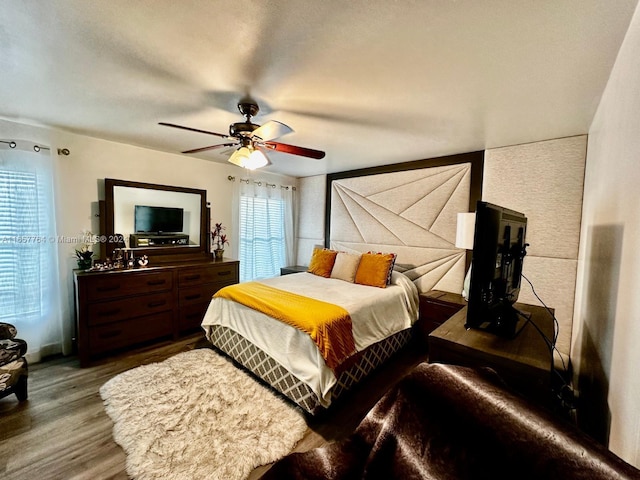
(499, 249)
(158, 220)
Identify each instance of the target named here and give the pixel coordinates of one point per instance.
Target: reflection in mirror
(172, 218)
(166, 223)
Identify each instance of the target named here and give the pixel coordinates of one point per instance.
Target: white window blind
(262, 237)
(20, 236)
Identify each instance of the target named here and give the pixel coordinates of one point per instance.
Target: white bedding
(376, 313)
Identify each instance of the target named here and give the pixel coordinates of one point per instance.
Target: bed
(409, 209)
(288, 359)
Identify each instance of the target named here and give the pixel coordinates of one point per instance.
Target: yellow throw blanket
(328, 325)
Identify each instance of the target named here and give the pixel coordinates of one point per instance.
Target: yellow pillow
(374, 269)
(322, 261)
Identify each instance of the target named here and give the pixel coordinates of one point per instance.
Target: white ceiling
(370, 82)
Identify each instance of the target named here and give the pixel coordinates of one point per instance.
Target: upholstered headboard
(409, 209)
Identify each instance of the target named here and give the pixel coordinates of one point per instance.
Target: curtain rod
(36, 147)
(259, 183)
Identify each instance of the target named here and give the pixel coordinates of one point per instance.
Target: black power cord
(561, 390)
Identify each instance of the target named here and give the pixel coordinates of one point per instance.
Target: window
(266, 214)
(19, 279)
(262, 238)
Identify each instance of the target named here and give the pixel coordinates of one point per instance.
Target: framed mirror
(166, 223)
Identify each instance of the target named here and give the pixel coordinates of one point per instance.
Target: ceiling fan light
(249, 158)
(257, 159)
(240, 156)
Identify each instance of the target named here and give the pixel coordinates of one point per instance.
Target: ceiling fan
(253, 141)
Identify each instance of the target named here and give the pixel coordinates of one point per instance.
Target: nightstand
(293, 269)
(436, 307)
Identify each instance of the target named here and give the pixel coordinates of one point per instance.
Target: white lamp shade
(249, 158)
(240, 156)
(465, 230)
(257, 159)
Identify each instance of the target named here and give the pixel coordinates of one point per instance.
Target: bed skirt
(266, 368)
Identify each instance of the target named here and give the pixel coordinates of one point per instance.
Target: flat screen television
(158, 219)
(499, 249)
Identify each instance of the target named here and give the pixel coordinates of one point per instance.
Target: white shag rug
(197, 416)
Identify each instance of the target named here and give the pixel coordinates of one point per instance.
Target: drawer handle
(226, 272)
(155, 282)
(192, 297)
(111, 334)
(192, 277)
(159, 303)
(108, 289)
(108, 313)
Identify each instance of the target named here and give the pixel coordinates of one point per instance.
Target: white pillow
(345, 266)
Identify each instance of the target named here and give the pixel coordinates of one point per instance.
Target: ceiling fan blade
(210, 147)
(292, 149)
(193, 129)
(272, 129)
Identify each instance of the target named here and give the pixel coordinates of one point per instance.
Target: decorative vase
(85, 263)
(219, 253)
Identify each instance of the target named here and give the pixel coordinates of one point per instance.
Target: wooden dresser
(122, 308)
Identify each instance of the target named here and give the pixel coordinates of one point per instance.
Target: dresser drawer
(130, 307)
(436, 307)
(201, 293)
(438, 313)
(126, 284)
(226, 272)
(191, 316)
(104, 338)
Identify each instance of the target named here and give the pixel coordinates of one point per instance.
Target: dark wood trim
(476, 159)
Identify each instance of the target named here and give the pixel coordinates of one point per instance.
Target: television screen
(499, 249)
(158, 219)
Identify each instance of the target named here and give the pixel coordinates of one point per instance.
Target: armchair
(13, 366)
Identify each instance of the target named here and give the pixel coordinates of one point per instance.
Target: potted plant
(84, 254)
(218, 240)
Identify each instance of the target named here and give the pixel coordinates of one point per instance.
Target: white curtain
(266, 214)
(29, 281)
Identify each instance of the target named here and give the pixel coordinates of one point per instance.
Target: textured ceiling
(369, 81)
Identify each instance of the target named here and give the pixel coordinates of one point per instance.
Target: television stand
(524, 362)
(157, 240)
(507, 321)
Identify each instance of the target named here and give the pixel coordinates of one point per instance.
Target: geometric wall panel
(411, 213)
(553, 206)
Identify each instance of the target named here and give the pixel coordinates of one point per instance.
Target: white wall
(607, 326)
(80, 176)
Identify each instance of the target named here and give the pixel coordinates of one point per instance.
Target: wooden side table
(524, 362)
(436, 307)
(293, 269)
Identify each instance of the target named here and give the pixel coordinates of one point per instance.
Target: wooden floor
(63, 432)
